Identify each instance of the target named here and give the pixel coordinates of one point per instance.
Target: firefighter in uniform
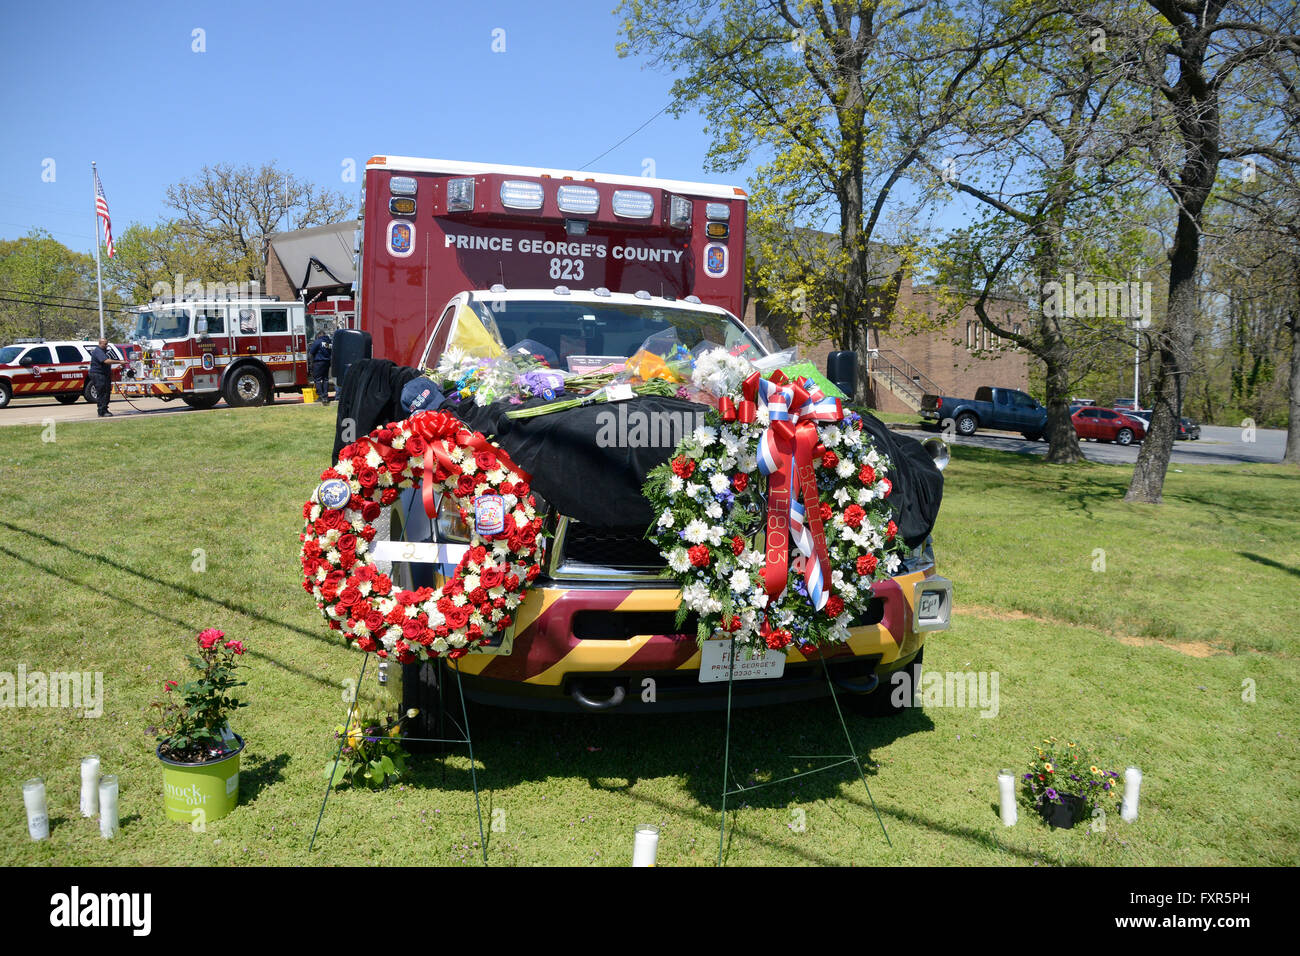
(319, 353)
(101, 375)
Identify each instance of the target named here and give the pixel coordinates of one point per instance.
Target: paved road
(35, 411)
(1216, 446)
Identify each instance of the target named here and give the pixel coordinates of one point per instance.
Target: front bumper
(592, 648)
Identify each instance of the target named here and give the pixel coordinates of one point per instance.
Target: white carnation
(679, 560)
(719, 484)
(740, 581)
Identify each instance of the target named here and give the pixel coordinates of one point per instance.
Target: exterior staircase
(904, 380)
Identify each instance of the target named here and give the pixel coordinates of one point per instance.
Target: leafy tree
(46, 289)
(1216, 72)
(229, 211)
(1046, 157)
(842, 99)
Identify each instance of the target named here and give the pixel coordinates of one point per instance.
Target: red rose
(368, 477)
(458, 617)
(853, 516)
(347, 559)
(683, 468)
(349, 596)
(348, 542)
(415, 446)
(464, 486)
(521, 491)
(492, 577)
(306, 510)
(374, 620)
(740, 481)
(407, 598)
(699, 555)
(533, 571)
(830, 459)
(387, 496)
(891, 530)
(778, 639)
(370, 511)
(486, 461)
(737, 545)
(412, 629)
(867, 475)
(506, 488)
(834, 606)
(867, 564)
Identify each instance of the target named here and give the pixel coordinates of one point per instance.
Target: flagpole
(99, 276)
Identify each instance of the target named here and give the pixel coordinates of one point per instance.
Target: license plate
(715, 660)
(931, 602)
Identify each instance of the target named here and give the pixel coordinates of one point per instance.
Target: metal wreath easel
(840, 759)
(464, 738)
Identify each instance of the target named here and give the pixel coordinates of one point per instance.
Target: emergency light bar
(679, 213)
(578, 199)
(521, 194)
(633, 204)
(460, 194)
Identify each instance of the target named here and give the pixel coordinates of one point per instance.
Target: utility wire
(627, 137)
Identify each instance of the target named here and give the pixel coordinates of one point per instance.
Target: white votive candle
(38, 821)
(646, 847)
(1128, 810)
(108, 806)
(89, 786)
(1007, 797)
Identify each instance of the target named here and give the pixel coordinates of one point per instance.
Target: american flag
(101, 207)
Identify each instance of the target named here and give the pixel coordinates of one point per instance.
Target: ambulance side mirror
(26, 361)
(842, 369)
(201, 326)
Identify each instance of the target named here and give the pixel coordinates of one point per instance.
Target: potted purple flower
(1065, 784)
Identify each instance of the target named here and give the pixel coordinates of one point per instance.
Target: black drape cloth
(369, 396)
(599, 483)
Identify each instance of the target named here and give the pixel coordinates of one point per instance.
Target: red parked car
(1108, 424)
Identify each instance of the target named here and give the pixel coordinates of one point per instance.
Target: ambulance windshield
(576, 329)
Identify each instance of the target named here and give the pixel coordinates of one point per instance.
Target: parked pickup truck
(1004, 408)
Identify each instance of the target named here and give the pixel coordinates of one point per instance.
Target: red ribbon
(437, 428)
(794, 439)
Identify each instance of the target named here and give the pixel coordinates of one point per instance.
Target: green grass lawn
(100, 573)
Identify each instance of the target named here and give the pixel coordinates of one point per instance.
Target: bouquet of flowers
(1057, 772)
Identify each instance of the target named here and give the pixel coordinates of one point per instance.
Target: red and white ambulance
(241, 349)
(588, 266)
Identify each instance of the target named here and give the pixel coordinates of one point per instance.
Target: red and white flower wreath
(490, 580)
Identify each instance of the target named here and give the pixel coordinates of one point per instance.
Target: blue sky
(310, 86)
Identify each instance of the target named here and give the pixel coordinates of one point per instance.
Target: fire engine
(244, 350)
(587, 265)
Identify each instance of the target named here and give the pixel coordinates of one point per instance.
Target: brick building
(955, 358)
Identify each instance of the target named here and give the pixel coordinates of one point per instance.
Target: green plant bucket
(201, 792)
